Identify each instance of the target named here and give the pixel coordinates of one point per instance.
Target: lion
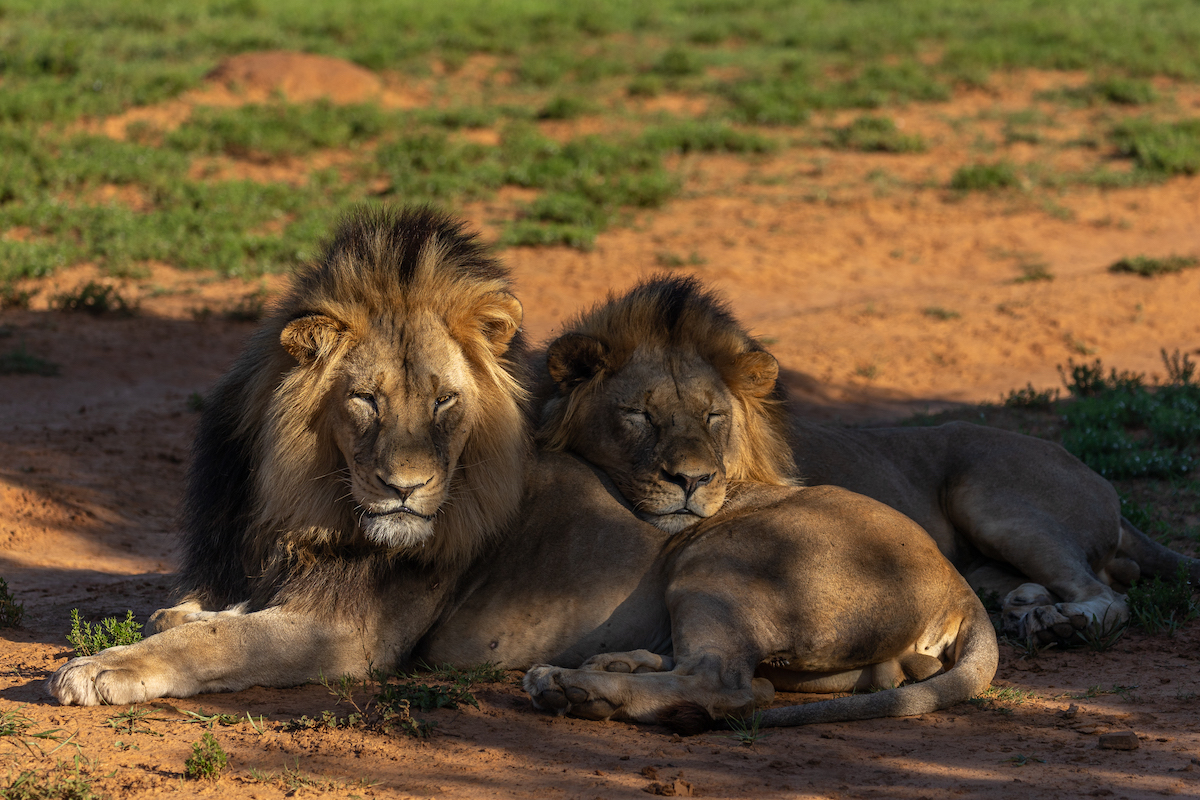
(364, 495)
(1016, 515)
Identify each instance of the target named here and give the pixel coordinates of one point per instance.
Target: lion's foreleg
(273, 647)
(635, 661)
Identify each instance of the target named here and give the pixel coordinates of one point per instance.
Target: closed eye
(367, 399)
(636, 415)
(716, 417)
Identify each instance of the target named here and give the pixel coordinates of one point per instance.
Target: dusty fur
(677, 314)
(267, 496)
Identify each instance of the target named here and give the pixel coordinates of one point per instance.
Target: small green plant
(1022, 760)
(20, 361)
(1159, 606)
(666, 258)
(985, 177)
(95, 298)
(209, 720)
(207, 760)
(1160, 149)
(17, 728)
(1149, 267)
(110, 632)
(1034, 271)
(1031, 398)
(747, 730)
(132, 720)
(12, 297)
(871, 134)
(58, 783)
(937, 312)
(564, 107)
(11, 612)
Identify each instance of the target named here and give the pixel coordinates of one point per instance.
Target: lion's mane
(678, 314)
(266, 515)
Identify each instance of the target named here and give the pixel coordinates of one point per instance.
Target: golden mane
(677, 313)
(269, 427)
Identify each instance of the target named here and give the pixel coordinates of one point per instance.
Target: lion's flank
(677, 313)
(267, 483)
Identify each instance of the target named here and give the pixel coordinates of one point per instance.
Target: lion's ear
(311, 338)
(500, 316)
(755, 373)
(575, 358)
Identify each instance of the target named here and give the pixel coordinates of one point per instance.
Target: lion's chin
(398, 531)
(672, 523)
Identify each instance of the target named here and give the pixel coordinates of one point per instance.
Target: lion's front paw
(635, 661)
(100, 679)
(552, 689)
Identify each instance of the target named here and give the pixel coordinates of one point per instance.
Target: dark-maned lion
(1014, 514)
(364, 494)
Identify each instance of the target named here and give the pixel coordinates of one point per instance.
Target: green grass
(11, 612)
(109, 632)
(871, 134)
(1159, 606)
(281, 129)
(20, 361)
(97, 299)
(1160, 148)
(939, 313)
(985, 177)
(207, 761)
(1122, 428)
(56, 783)
(759, 62)
(1149, 267)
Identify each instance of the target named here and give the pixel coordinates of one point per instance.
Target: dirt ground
(92, 462)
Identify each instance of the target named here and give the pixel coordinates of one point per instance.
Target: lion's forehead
(672, 382)
(415, 361)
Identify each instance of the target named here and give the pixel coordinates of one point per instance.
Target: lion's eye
(715, 417)
(638, 416)
(367, 400)
(444, 401)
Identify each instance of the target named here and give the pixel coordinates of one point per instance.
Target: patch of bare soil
(842, 278)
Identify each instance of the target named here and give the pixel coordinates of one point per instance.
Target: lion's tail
(1152, 558)
(978, 656)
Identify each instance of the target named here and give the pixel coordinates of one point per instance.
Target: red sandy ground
(836, 271)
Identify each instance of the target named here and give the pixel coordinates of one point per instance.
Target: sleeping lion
(629, 386)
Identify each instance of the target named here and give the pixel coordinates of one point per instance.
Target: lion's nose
(688, 481)
(400, 489)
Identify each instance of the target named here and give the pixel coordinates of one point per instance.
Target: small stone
(1121, 740)
(1070, 712)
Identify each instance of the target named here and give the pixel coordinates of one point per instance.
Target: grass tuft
(207, 761)
(109, 632)
(97, 299)
(11, 612)
(1149, 267)
(1159, 606)
(985, 177)
(20, 361)
(875, 135)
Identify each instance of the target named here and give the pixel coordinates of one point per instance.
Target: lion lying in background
(1016, 515)
(364, 494)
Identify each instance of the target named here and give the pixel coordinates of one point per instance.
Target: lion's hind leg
(1032, 613)
(646, 697)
